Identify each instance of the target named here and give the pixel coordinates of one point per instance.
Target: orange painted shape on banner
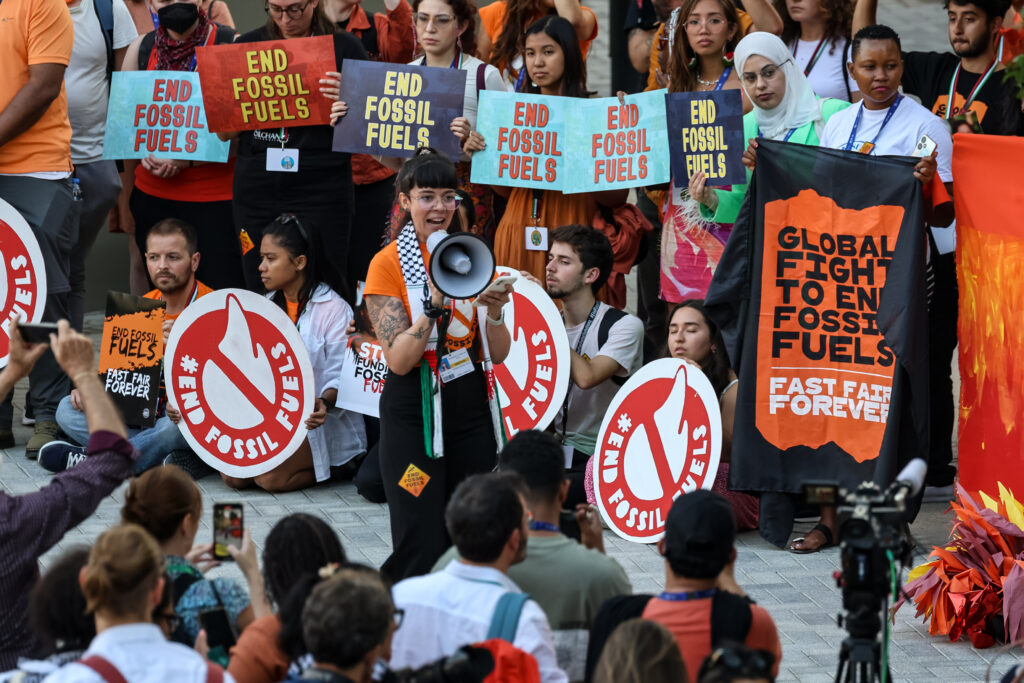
(990, 264)
(271, 84)
(414, 480)
(132, 341)
(824, 371)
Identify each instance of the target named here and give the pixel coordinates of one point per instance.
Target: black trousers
(943, 314)
(418, 533)
(220, 255)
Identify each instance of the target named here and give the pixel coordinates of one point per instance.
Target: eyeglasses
(398, 617)
(293, 11)
(769, 72)
(440, 20)
(450, 202)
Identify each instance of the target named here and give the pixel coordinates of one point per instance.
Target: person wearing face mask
(195, 192)
(785, 108)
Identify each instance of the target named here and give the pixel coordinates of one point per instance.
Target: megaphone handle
(492, 398)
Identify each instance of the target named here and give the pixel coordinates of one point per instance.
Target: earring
(693, 63)
(458, 41)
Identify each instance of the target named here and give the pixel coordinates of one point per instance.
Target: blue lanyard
(537, 525)
(692, 595)
(520, 79)
(156, 19)
(723, 78)
(456, 63)
(856, 124)
(785, 139)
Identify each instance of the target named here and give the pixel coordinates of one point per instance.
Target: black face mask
(178, 17)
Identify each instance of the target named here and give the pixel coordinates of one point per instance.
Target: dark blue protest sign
(705, 133)
(396, 108)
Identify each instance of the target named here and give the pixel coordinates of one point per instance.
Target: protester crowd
(489, 568)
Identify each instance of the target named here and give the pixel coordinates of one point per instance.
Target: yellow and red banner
(989, 196)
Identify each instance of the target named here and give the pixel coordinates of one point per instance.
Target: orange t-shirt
(493, 19)
(201, 290)
(384, 278)
(34, 32)
(690, 623)
(293, 310)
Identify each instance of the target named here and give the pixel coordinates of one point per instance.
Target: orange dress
(555, 210)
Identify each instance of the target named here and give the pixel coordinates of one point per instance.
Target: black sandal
(825, 531)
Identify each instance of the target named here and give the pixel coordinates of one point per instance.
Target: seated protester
(693, 336)
(171, 259)
(606, 344)
(487, 521)
(35, 522)
(699, 554)
(886, 122)
(168, 504)
(122, 584)
(641, 650)
(347, 624)
(272, 647)
(785, 108)
(56, 612)
(303, 284)
(737, 664)
(568, 579)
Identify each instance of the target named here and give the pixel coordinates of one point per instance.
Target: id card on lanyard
(536, 236)
(868, 146)
(567, 449)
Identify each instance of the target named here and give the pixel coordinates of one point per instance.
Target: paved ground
(798, 590)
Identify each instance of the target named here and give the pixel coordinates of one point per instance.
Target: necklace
(707, 83)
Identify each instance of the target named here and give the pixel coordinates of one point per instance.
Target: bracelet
(431, 311)
(499, 322)
(86, 373)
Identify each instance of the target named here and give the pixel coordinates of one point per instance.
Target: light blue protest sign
(613, 146)
(525, 138)
(159, 113)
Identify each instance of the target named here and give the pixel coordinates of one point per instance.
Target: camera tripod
(860, 654)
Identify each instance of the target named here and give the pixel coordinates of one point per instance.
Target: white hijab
(799, 105)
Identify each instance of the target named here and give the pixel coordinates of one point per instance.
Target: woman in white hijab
(785, 108)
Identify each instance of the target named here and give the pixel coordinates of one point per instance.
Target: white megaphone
(461, 264)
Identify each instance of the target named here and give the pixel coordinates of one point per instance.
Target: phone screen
(228, 524)
(218, 628)
(37, 333)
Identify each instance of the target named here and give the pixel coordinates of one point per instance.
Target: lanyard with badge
(536, 235)
(868, 146)
(567, 449)
(285, 159)
(977, 86)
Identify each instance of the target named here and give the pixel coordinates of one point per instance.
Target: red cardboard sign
(661, 438)
(238, 371)
(275, 83)
(23, 285)
(534, 377)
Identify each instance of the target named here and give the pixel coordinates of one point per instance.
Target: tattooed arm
(403, 343)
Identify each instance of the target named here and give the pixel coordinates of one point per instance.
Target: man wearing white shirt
(488, 522)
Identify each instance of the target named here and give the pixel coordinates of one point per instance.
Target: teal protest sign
(525, 136)
(159, 113)
(615, 145)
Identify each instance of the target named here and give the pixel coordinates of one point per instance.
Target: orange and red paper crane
(975, 585)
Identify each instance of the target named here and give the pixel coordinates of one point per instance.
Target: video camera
(873, 537)
(468, 665)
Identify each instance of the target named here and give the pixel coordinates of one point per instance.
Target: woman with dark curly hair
(817, 32)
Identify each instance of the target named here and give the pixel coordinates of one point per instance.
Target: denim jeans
(154, 443)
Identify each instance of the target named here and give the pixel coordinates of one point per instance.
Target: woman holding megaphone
(435, 414)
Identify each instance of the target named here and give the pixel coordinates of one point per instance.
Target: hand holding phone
(499, 283)
(925, 146)
(228, 528)
(37, 333)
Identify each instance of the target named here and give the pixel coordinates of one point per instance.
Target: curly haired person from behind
(123, 583)
(33, 523)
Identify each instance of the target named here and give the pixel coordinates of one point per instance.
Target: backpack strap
(147, 52)
(103, 668)
(105, 15)
(731, 618)
(481, 78)
(611, 316)
(369, 36)
(505, 619)
(612, 612)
